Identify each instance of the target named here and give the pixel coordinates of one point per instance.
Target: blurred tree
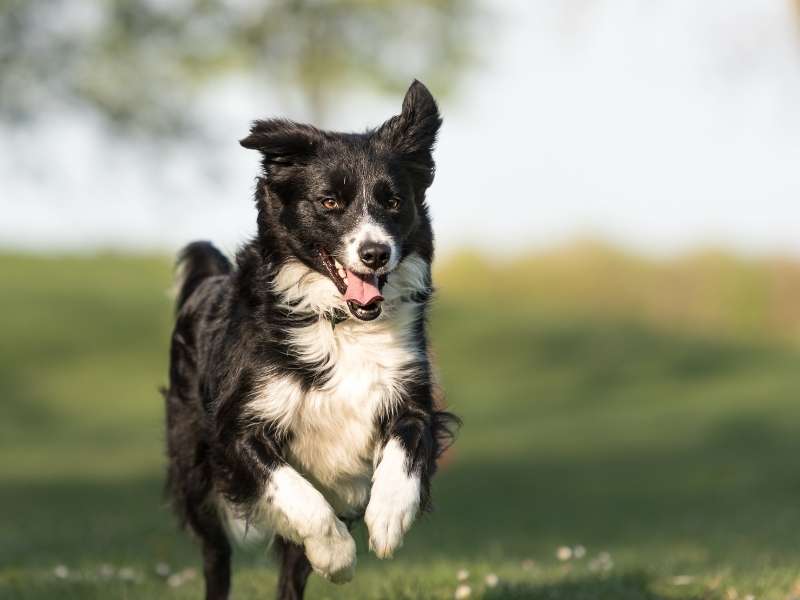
(141, 64)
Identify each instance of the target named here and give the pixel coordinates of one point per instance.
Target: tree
(138, 64)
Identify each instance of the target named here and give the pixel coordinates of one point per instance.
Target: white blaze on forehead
(369, 231)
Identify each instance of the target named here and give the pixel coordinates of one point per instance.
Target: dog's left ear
(412, 133)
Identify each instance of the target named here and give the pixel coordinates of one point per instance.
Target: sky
(658, 125)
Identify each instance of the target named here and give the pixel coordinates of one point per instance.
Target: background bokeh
(618, 322)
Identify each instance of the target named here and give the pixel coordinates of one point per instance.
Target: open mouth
(361, 291)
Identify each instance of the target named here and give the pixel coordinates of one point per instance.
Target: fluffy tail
(196, 262)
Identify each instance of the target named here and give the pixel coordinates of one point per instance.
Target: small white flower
(127, 574)
(106, 571)
(463, 591)
(61, 571)
(162, 569)
(564, 553)
(492, 580)
(462, 575)
(602, 562)
(579, 551)
(178, 579)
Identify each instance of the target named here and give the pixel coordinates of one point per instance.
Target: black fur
(295, 570)
(230, 326)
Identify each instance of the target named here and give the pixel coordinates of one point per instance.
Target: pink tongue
(362, 288)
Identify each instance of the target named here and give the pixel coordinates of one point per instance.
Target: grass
(671, 447)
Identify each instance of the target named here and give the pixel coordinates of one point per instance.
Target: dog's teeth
(342, 273)
(338, 264)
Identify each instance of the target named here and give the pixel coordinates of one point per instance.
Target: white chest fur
(333, 426)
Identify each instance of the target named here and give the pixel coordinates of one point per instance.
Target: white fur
(394, 502)
(369, 231)
(333, 426)
(307, 291)
(238, 525)
(292, 507)
(334, 438)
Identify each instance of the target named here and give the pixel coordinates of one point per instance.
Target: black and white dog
(301, 394)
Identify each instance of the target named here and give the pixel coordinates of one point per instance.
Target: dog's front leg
(400, 482)
(299, 512)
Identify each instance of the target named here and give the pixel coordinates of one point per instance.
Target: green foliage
(143, 64)
(673, 451)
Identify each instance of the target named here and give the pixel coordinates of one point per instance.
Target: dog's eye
(330, 203)
(394, 203)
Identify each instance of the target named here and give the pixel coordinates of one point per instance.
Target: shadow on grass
(732, 496)
(75, 522)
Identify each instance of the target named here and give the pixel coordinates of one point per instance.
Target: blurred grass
(709, 291)
(648, 409)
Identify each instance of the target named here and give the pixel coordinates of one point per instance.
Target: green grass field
(672, 456)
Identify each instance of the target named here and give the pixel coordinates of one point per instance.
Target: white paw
(392, 508)
(388, 520)
(332, 552)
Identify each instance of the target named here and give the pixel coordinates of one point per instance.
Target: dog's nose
(374, 254)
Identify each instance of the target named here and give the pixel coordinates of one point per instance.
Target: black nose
(374, 254)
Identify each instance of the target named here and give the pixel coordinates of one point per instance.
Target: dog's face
(351, 206)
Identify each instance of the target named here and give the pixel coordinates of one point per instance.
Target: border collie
(301, 396)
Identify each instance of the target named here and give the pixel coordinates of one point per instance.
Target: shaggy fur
(292, 412)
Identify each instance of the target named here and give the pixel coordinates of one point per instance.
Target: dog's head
(350, 206)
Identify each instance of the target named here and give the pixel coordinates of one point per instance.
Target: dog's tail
(196, 262)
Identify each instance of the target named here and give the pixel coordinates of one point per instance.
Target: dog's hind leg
(206, 523)
(295, 570)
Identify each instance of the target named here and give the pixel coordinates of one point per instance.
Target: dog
(302, 398)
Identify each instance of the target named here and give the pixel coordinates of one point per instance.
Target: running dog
(301, 394)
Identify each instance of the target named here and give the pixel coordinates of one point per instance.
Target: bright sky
(658, 124)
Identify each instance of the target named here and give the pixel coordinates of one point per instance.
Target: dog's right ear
(283, 142)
